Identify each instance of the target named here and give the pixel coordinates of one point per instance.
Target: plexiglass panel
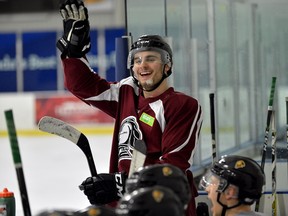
(248, 41)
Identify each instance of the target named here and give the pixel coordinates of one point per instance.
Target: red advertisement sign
(70, 109)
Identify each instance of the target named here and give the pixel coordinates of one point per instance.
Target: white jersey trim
(158, 109)
(112, 94)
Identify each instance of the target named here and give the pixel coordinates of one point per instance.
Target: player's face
(211, 189)
(148, 68)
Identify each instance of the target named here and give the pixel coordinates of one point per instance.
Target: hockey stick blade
(55, 126)
(139, 156)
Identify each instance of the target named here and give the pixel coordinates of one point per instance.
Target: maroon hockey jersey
(169, 124)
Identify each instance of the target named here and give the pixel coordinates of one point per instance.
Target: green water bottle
(7, 203)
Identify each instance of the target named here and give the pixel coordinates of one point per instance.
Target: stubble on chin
(147, 85)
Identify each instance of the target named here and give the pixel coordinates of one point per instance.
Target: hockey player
(151, 201)
(165, 175)
(144, 106)
(233, 184)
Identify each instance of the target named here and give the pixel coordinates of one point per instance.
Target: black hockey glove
(75, 41)
(104, 188)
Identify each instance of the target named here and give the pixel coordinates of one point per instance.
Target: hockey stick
(139, 156)
(212, 121)
(274, 158)
(268, 122)
(62, 129)
(267, 129)
(17, 161)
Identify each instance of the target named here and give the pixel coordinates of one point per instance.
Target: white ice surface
(53, 169)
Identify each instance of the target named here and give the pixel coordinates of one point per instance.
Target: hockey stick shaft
(212, 122)
(138, 157)
(274, 161)
(268, 121)
(55, 126)
(87, 151)
(17, 161)
(267, 129)
(287, 129)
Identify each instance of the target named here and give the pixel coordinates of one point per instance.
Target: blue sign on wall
(40, 59)
(40, 63)
(8, 81)
(110, 39)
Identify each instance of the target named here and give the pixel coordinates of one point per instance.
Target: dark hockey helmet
(165, 175)
(243, 172)
(94, 210)
(156, 200)
(151, 43)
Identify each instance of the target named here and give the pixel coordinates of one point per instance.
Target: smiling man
(150, 63)
(143, 105)
(145, 66)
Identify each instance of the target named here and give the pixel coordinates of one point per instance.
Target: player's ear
(231, 192)
(167, 68)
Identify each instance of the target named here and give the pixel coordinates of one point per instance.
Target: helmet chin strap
(164, 76)
(225, 207)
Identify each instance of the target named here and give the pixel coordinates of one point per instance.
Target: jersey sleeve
(181, 134)
(87, 85)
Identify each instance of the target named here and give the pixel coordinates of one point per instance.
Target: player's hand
(104, 188)
(75, 41)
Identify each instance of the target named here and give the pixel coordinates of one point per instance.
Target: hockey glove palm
(75, 41)
(104, 188)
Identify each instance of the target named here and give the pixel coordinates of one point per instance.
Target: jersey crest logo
(129, 132)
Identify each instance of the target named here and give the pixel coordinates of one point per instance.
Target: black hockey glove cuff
(104, 188)
(75, 41)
